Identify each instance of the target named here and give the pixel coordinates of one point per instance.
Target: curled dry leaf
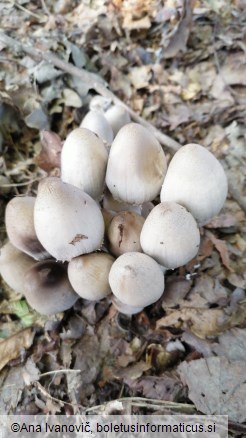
(11, 347)
(221, 247)
(49, 156)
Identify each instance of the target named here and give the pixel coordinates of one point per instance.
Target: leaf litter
(181, 65)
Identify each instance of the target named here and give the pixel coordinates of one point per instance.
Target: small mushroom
(88, 275)
(13, 266)
(170, 235)
(125, 308)
(20, 229)
(47, 288)
(96, 122)
(136, 279)
(136, 165)
(196, 180)
(68, 222)
(83, 162)
(117, 117)
(124, 233)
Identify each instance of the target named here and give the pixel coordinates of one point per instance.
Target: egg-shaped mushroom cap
(117, 117)
(84, 161)
(125, 308)
(20, 229)
(123, 233)
(196, 180)
(170, 235)
(96, 122)
(136, 165)
(136, 279)
(13, 266)
(68, 222)
(47, 288)
(88, 275)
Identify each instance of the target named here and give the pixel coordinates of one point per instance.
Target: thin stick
(65, 371)
(94, 81)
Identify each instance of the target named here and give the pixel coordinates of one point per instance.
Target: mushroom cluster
(115, 220)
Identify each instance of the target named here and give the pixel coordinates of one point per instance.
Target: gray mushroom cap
(84, 161)
(196, 180)
(68, 222)
(136, 279)
(13, 266)
(47, 288)
(20, 229)
(96, 121)
(88, 274)
(136, 165)
(170, 235)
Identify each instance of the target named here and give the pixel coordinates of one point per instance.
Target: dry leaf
(140, 76)
(232, 345)
(180, 37)
(223, 221)
(49, 156)
(221, 247)
(158, 388)
(216, 386)
(11, 347)
(201, 322)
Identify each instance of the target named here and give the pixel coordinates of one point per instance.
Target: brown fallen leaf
(221, 247)
(201, 322)
(49, 156)
(11, 347)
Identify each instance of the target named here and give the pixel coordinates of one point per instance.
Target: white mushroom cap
(117, 117)
(170, 235)
(13, 266)
(196, 180)
(100, 103)
(136, 279)
(136, 165)
(124, 233)
(68, 222)
(125, 308)
(20, 227)
(97, 123)
(83, 162)
(88, 274)
(47, 289)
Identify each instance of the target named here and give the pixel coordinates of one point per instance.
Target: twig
(22, 8)
(65, 371)
(94, 81)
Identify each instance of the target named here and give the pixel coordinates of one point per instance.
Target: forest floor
(181, 67)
